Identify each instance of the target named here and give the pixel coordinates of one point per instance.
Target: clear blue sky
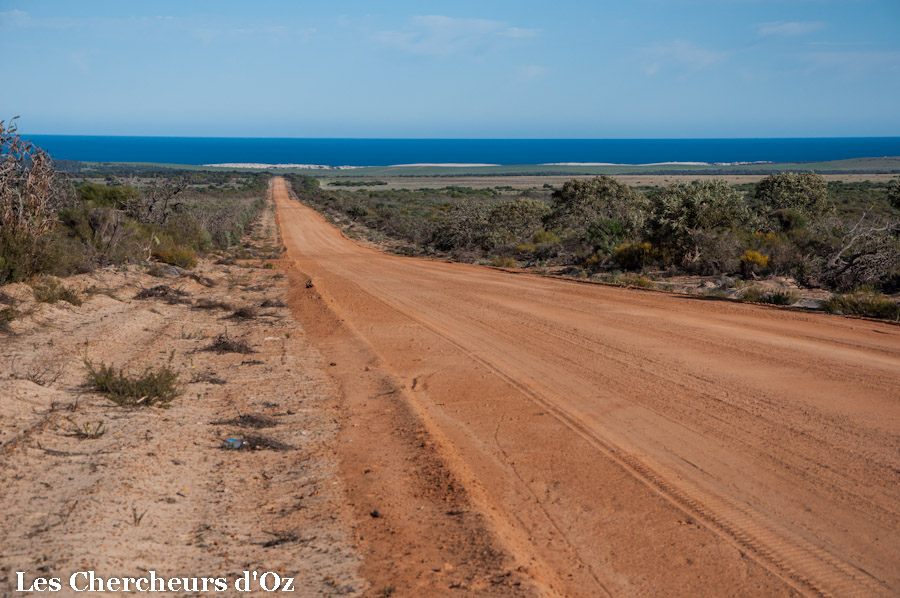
(488, 68)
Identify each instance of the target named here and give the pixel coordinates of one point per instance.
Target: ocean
(386, 152)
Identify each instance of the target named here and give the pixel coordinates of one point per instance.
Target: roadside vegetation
(62, 221)
(839, 237)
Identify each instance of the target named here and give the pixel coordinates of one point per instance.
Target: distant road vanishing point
(626, 442)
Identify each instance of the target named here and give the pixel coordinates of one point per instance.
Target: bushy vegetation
(864, 302)
(832, 235)
(63, 223)
(152, 387)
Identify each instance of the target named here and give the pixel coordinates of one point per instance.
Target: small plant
(503, 262)
(781, 298)
(226, 344)
(753, 294)
(136, 517)
(87, 431)
(7, 315)
(205, 303)
(757, 294)
(543, 237)
(165, 292)
(864, 302)
(50, 290)
(151, 387)
(243, 313)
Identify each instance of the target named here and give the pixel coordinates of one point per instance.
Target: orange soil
(600, 441)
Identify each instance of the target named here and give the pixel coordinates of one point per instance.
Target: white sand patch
(297, 166)
(579, 164)
(442, 164)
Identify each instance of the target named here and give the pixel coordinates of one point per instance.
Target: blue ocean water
(384, 152)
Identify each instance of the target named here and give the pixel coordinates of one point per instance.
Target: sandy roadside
(157, 491)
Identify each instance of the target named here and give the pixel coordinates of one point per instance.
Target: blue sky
(485, 69)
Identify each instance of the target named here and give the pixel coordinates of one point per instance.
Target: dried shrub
(225, 344)
(248, 420)
(272, 303)
(205, 303)
(165, 292)
(244, 313)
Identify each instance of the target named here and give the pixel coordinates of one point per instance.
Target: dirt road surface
(597, 441)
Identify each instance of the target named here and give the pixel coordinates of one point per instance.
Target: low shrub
(152, 387)
(634, 256)
(757, 294)
(503, 262)
(543, 237)
(630, 279)
(7, 315)
(50, 290)
(753, 262)
(864, 302)
(182, 257)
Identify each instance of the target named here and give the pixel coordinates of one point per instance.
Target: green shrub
(516, 219)
(781, 298)
(152, 387)
(50, 290)
(636, 280)
(7, 315)
(805, 193)
(757, 294)
(503, 262)
(864, 302)
(634, 256)
(178, 256)
(22, 255)
(680, 212)
(582, 202)
(543, 237)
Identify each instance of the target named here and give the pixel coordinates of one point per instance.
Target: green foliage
(680, 212)
(757, 294)
(517, 219)
(803, 192)
(183, 257)
(543, 237)
(864, 302)
(7, 315)
(51, 290)
(788, 219)
(605, 234)
(465, 226)
(634, 256)
(115, 196)
(893, 193)
(582, 202)
(340, 183)
(151, 387)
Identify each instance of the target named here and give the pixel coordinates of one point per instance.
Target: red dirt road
(619, 442)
